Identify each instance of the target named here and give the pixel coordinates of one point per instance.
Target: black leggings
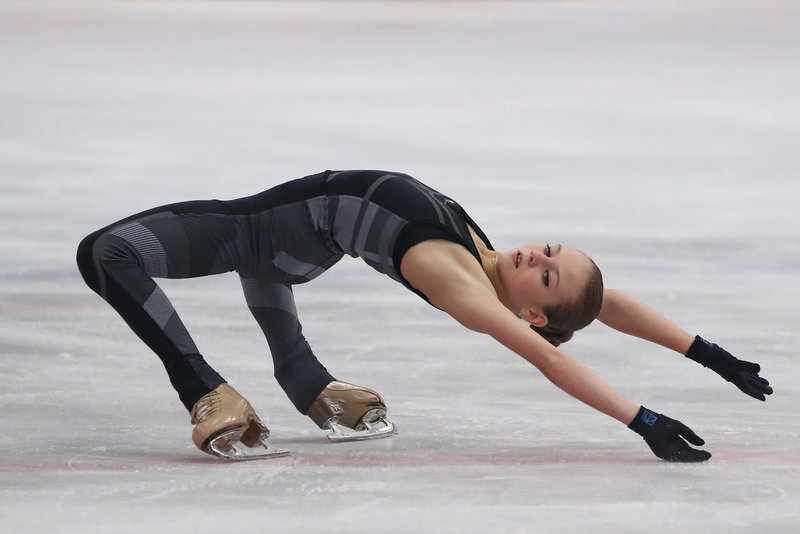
(269, 239)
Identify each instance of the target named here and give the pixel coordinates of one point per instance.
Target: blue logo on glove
(649, 418)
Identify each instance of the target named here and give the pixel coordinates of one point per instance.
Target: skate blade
(229, 447)
(381, 428)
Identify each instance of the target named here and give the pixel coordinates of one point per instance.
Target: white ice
(661, 137)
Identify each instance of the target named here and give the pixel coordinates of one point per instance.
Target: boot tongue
(204, 407)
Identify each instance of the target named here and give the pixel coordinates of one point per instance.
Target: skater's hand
(741, 373)
(665, 437)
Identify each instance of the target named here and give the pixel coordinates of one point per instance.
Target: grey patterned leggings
(267, 238)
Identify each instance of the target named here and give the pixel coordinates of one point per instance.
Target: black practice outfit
(286, 235)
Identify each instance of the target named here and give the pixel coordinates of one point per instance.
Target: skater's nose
(538, 258)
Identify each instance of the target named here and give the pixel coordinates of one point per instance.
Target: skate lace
(206, 407)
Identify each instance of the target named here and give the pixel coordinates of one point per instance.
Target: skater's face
(541, 276)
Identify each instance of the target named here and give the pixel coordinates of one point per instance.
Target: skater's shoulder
(445, 272)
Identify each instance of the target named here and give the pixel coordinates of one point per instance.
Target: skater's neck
(489, 263)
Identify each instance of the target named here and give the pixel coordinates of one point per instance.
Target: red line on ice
(88, 463)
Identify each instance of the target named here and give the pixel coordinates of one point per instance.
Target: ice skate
(351, 413)
(227, 426)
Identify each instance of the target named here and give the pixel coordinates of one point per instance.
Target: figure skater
(530, 299)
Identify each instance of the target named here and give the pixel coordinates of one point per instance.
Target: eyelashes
(546, 274)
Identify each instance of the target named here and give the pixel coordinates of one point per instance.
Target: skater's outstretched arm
(454, 282)
(482, 312)
(666, 437)
(630, 316)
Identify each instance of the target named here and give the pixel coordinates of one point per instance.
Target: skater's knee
(87, 263)
(100, 252)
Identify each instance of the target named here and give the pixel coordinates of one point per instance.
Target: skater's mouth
(519, 259)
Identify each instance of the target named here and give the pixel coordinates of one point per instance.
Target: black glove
(665, 436)
(744, 375)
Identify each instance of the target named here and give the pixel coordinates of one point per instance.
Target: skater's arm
(484, 313)
(451, 279)
(630, 316)
(666, 437)
(461, 289)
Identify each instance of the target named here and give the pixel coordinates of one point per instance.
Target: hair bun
(554, 336)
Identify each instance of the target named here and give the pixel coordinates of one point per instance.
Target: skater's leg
(296, 368)
(120, 261)
(351, 412)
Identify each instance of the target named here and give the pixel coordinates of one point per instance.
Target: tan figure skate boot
(227, 426)
(352, 413)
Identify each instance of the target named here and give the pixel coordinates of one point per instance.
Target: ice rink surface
(660, 137)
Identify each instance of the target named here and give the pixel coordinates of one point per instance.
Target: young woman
(421, 238)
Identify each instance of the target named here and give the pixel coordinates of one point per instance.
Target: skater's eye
(546, 274)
